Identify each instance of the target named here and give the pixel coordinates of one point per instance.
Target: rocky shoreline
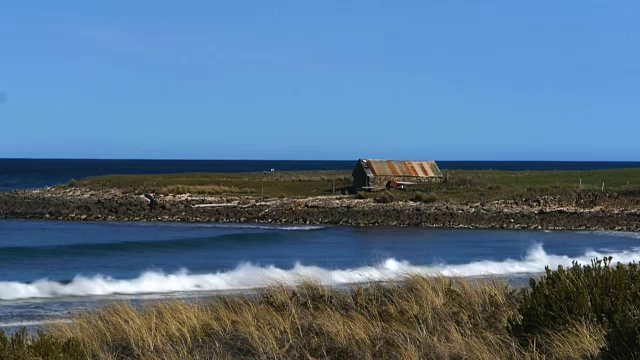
(606, 211)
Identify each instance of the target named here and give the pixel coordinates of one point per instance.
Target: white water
(237, 226)
(621, 234)
(247, 276)
(33, 323)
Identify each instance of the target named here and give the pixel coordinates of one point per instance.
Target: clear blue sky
(450, 80)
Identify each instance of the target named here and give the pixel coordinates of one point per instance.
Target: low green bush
(385, 198)
(362, 195)
(602, 294)
(426, 198)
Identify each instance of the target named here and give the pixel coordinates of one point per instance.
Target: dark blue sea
(34, 173)
(50, 269)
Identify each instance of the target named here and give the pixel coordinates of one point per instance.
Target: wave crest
(247, 276)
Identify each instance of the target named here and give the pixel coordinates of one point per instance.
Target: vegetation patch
(465, 186)
(426, 198)
(21, 346)
(385, 198)
(600, 296)
(272, 184)
(202, 190)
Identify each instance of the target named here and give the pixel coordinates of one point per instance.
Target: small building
(373, 173)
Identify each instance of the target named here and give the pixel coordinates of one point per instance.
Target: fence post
(603, 186)
(580, 187)
(262, 195)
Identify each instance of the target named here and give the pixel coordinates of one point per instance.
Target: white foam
(623, 234)
(33, 323)
(271, 227)
(247, 276)
(240, 226)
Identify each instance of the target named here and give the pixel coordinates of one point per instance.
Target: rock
(614, 212)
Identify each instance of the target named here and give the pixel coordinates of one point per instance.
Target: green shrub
(362, 195)
(601, 294)
(386, 198)
(425, 198)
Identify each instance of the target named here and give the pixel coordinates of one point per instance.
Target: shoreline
(590, 211)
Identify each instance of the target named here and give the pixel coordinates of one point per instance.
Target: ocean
(50, 269)
(35, 173)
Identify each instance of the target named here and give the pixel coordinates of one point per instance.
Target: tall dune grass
(418, 318)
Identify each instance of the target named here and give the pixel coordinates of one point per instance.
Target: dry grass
(294, 183)
(202, 190)
(418, 318)
(577, 341)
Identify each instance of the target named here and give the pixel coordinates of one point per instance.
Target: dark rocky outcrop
(584, 211)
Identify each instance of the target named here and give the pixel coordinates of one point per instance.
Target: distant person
(152, 201)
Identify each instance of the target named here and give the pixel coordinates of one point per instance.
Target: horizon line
(310, 160)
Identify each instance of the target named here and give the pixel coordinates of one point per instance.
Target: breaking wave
(247, 276)
(33, 323)
(280, 227)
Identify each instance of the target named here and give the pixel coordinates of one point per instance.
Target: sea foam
(248, 276)
(34, 322)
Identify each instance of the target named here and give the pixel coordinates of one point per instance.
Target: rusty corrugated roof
(403, 168)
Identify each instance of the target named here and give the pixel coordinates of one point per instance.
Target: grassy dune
(575, 313)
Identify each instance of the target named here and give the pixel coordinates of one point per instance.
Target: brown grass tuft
(417, 318)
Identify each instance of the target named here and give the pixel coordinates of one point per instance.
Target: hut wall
(359, 177)
(381, 181)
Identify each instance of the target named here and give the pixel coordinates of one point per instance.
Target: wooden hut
(369, 174)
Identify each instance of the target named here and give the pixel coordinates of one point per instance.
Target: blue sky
(448, 80)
